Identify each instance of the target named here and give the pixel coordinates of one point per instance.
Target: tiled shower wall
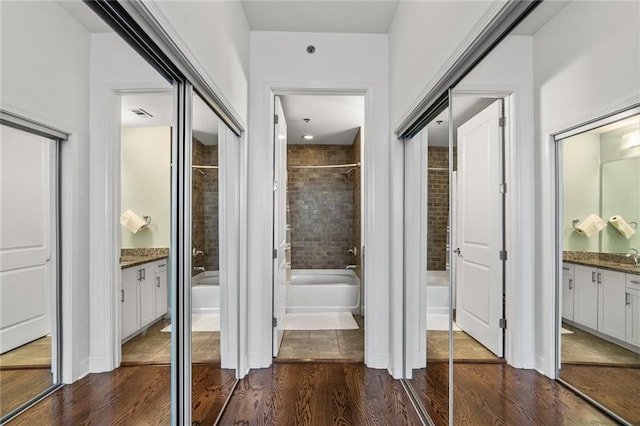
(438, 208)
(321, 203)
(205, 206)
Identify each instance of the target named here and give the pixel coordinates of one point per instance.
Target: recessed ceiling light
(307, 137)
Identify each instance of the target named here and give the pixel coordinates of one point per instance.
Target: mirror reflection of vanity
(599, 191)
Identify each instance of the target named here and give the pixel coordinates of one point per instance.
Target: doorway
(318, 280)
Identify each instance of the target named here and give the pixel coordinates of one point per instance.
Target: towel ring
(574, 223)
(147, 219)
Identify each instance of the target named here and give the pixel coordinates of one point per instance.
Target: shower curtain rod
(438, 168)
(327, 166)
(204, 167)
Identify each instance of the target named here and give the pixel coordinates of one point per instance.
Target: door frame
(510, 211)
(367, 174)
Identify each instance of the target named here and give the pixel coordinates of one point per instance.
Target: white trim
(260, 302)
(104, 215)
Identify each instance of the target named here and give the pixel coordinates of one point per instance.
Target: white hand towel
(591, 225)
(622, 226)
(132, 221)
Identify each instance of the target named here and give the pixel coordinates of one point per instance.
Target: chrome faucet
(353, 251)
(635, 256)
(197, 252)
(352, 267)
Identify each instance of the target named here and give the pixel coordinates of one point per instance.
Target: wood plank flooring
(17, 386)
(131, 396)
(499, 394)
(617, 388)
(319, 394)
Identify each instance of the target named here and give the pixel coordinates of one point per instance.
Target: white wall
(217, 35)
(587, 62)
(357, 61)
(422, 37)
(146, 184)
(45, 76)
(508, 70)
(115, 68)
(581, 189)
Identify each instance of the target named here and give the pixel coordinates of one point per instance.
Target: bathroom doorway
(318, 280)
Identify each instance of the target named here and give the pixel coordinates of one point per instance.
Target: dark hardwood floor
(499, 394)
(131, 396)
(19, 385)
(617, 388)
(319, 394)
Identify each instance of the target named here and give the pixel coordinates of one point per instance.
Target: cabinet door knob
(593, 276)
(627, 298)
(158, 282)
(122, 295)
(570, 284)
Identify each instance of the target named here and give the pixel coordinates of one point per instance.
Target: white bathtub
(205, 292)
(323, 290)
(437, 292)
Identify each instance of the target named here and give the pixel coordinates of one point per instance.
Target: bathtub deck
(325, 345)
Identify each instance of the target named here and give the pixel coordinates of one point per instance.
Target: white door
(279, 227)
(479, 275)
(26, 218)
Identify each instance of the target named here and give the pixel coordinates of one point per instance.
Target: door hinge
(275, 186)
(502, 323)
(275, 253)
(503, 188)
(502, 121)
(274, 322)
(275, 118)
(503, 255)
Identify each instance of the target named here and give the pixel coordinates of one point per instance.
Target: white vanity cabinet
(632, 300)
(585, 305)
(611, 300)
(129, 298)
(143, 296)
(603, 300)
(161, 288)
(568, 285)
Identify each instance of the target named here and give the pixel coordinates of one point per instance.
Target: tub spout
(352, 267)
(199, 268)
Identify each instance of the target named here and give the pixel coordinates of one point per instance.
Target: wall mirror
(599, 330)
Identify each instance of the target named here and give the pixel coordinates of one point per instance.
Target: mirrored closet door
(599, 290)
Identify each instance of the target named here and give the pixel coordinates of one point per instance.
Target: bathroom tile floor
(313, 345)
(154, 346)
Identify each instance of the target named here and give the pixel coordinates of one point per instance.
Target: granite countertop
(135, 257)
(609, 261)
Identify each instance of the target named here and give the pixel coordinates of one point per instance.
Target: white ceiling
(320, 16)
(160, 105)
(334, 120)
